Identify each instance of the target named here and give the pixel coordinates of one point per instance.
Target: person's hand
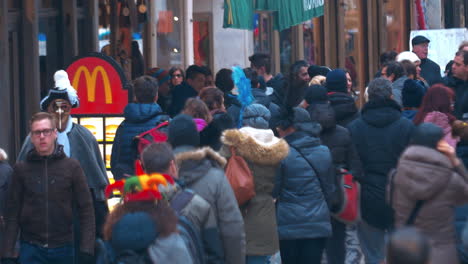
(85, 258)
(9, 261)
(448, 151)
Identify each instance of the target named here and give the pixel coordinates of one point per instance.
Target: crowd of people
(296, 134)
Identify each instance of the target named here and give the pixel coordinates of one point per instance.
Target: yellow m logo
(91, 79)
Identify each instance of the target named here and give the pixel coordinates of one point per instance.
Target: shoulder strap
(181, 200)
(310, 163)
(414, 212)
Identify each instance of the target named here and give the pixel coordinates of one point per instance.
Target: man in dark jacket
(140, 116)
(380, 135)
(40, 199)
(338, 140)
(159, 158)
(261, 63)
(343, 103)
(202, 171)
(194, 82)
(430, 70)
(304, 184)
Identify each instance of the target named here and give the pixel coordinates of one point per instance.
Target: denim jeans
(257, 259)
(372, 242)
(34, 254)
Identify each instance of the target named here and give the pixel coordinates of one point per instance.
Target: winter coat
(278, 83)
(336, 138)
(202, 171)
(40, 201)
(263, 153)
(409, 114)
(426, 174)
(380, 136)
(138, 119)
(171, 249)
(397, 88)
(85, 149)
(230, 99)
(211, 135)
(460, 88)
(200, 213)
(180, 94)
(441, 120)
(301, 188)
(5, 178)
(344, 106)
(430, 71)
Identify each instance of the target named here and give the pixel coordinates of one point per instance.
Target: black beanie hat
(183, 132)
(315, 70)
(316, 94)
(336, 81)
(412, 93)
(427, 134)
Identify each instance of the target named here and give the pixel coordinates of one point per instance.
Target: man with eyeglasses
(39, 204)
(77, 142)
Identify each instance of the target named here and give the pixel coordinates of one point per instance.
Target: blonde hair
(318, 80)
(3, 155)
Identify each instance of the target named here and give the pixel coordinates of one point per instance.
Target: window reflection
(285, 50)
(352, 35)
(169, 27)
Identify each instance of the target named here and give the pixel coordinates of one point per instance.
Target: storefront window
(312, 49)
(201, 40)
(286, 50)
(262, 33)
(352, 33)
(394, 15)
(169, 29)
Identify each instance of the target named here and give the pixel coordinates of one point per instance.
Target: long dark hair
(438, 98)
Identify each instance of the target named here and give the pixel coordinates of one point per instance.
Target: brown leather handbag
(240, 177)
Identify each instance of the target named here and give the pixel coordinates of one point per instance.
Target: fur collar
(256, 145)
(200, 154)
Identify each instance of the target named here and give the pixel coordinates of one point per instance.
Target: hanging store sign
(100, 83)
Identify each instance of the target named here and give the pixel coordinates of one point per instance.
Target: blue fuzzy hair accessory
(244, 89)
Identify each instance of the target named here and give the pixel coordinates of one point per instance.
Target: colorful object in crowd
(145, 187)
(244, 90)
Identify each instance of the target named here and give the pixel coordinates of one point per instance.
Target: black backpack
(189, 233)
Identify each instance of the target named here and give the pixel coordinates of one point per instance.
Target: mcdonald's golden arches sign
(100, 83)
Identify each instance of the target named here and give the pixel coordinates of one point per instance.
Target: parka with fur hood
(202, 171)
(263, 152)
(428, 175)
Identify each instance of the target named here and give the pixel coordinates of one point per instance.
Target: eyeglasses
(45, 132)
(177, 76)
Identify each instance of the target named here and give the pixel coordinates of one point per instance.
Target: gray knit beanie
(256, 116)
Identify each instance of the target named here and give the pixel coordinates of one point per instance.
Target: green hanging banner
(238, 14)
(294, 12)
(286, 13)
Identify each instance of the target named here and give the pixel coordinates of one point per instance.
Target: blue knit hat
(134, 231)
(336, 81)
(160, 74)
(256, 116)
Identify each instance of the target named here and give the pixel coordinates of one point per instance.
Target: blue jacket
(302, 211)
(138, 119)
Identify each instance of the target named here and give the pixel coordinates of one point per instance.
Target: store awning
(287, 13)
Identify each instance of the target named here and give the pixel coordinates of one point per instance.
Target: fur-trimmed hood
(186, 153)
(256, 145)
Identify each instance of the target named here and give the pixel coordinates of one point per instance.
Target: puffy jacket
(380, 136)
(428, 175)
(301, 189)
(138, 119)
(263, 152)
(40, 201)
(344, 106)
(202, 171)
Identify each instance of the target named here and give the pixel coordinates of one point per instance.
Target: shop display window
(169, 29)
(263, 31)
(103, 129)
